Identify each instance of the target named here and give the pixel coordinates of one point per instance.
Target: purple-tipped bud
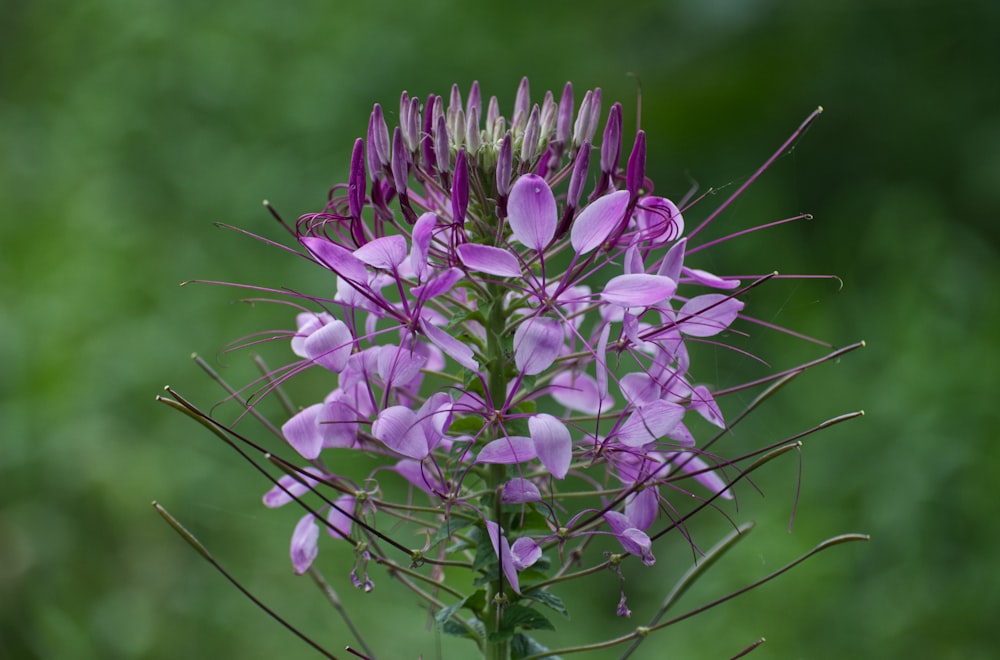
(564, 122)
(579, 176)
(456, 128)
(460, 189)
(455, 100)
(611, 146)
(411, 126)
(427, 137)
(576, 181)
(499, 130)
(583, 120)
(492, 115)
(505, 163)
(522, 106)
(635, 174)
(595, 114)
(379, 137)
(549, 112)
(441, 154)
(356, 181)
(374, 167)
(472, 141)
(400, 162)
(404, 107)
(475, 101)
(529, 144)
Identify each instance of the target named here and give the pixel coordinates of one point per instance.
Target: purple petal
(673, 262)
(690, 462)
(704, 404)
(336, 258)
(450, 346)
(519, 491)
(303, 433)
(305, 544)
(502, 549)
(634, 540)
(398, 365)
(708, 279)
(639, 388)
(340, 522)
(421, 235)
(398, 429)
(440, 284)
(707, 315)
(578, 392)
(649, 423)
(385, 253)
(515, 449)
(531, 212)
(330, 346)
(552, 443)
(414, 472)
(537, 342)
(641, 507)
(491, 260)
(597, 220)
(525, 552)
(289, 487)
(640, 290)
(658, 220)
(602, 364)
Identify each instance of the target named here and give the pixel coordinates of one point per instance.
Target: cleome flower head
(504, 313)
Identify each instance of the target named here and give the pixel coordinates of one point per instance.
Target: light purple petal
(634, 540)
(330, 346)
(708, 279)
(398, 365)
(440, 284)
(525, 552)
(501, 546)
(707, 315)
(340, 522)
(690, 462)
(531, 212)
(553, 443)
(305, 544)
(649, 423)
(337, 259)
(537, 342)
(639, 388)
(704, 403)
(597, 220)
(659, 220)
(515, 449)
(414, 472)
(601, 359)
(673, 262)
(386, 252)
(579, 392)
(641, 507)
(520, 491)
(303, 433)
(306, 324)
(398, 428)
(421, 235)
(491, 260)
(640, 290)
(450, 346)
(290, 487)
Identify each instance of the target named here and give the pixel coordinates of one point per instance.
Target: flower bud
(611, 146)
(522, 106)
(441, 154)
(635, 173)
(460, 189)
(565, 119)
(529, 143)
(505, 162)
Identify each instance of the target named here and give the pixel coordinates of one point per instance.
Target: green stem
(496, 381)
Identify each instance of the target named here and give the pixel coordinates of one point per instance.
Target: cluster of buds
(506, 328)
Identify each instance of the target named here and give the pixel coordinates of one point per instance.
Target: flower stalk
(521, 355)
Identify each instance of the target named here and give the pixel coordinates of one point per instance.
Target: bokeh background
(128, 128)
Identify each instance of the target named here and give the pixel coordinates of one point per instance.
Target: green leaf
(523, 646)
(548, 599)
(468, 425)
(518, 616)
(445, 613)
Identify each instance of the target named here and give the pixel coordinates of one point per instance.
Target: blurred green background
(128, 128)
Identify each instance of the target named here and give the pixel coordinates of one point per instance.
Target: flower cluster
(506, 324)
